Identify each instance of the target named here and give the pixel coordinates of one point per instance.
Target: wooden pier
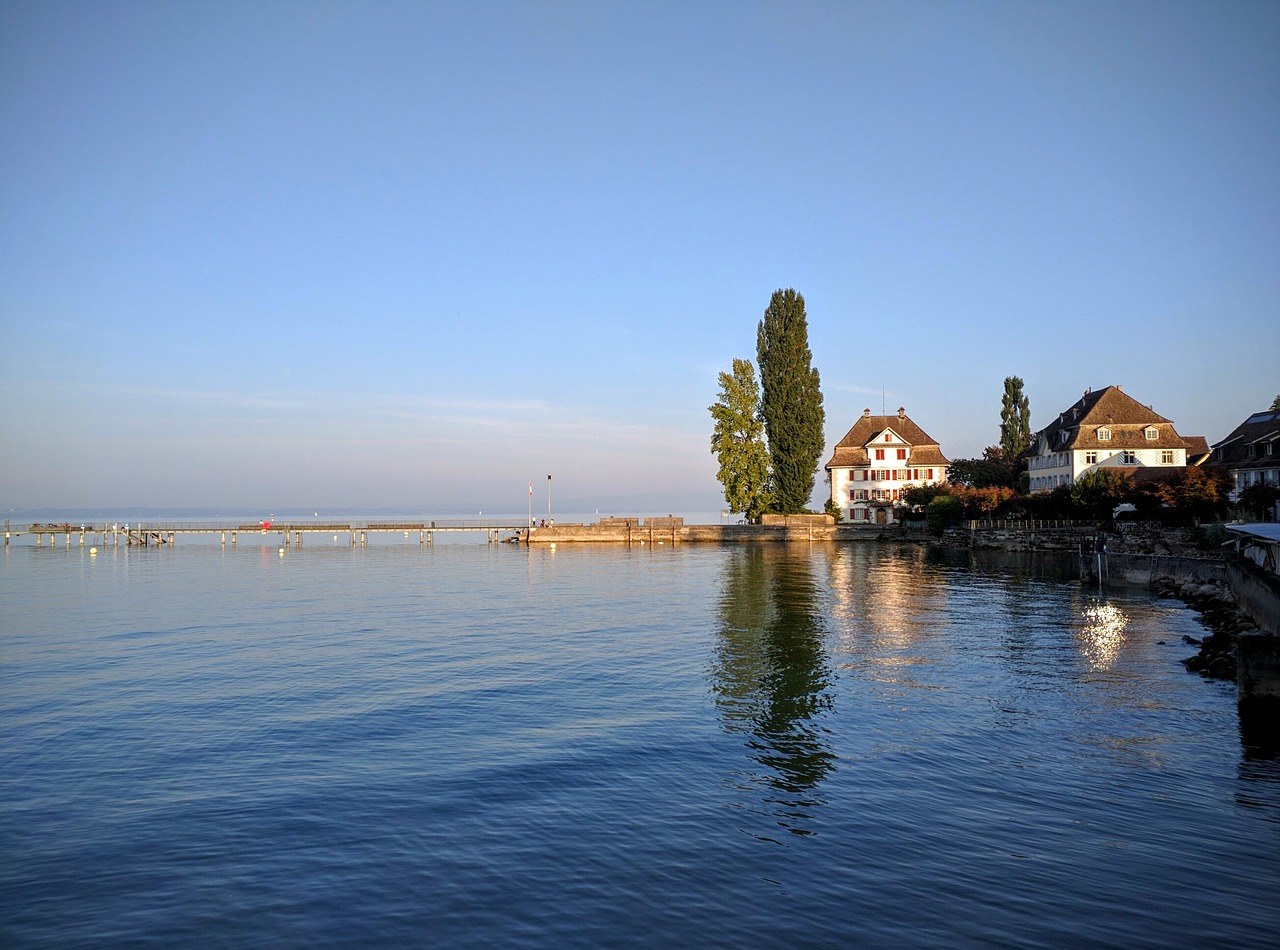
(290, 533)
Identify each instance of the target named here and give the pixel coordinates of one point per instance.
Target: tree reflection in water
(772, 676)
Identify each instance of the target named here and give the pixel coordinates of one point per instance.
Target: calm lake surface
(774, 745)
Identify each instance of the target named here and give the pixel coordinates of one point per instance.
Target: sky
(421, 255)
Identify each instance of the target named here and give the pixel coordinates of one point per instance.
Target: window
(1166, 457)
(1128, 458)
(879, 455)
(1104, 434)
(1090, 458)
(888, 437)
(1253, 451)
(902, 453)
(1152, 433)
(1270, 445)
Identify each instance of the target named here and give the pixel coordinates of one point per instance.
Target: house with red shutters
(879, 458)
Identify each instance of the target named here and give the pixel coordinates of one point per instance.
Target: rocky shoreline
(1213, 600)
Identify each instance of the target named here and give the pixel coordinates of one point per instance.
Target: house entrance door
(881, 517)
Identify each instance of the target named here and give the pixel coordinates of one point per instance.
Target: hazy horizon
(284, 253)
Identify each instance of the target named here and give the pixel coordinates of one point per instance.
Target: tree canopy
(737, 441)
(791, 400)
(1015, 420)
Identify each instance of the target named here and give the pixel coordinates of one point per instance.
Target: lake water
(474, 745)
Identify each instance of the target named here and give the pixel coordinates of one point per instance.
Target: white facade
(1104, 429)
(1051, 469)
(877, 461)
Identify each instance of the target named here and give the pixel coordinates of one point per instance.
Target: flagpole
(529, 523)
(548, 499)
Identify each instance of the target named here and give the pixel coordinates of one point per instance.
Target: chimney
(866, 413)
(1121, 388)
(902, 413)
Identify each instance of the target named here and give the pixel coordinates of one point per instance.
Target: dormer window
(1152, 433)
(1253, 450)
(1104, 434)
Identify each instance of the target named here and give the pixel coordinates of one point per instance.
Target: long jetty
(290, 533)
(628, 531)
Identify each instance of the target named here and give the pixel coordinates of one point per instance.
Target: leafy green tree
(1099, 491)
(980, 473)
(943, 512)
(1015, 420)
(737, 441)
(1259, 498)
(919, 496)
(1275, 404)
(791, 400)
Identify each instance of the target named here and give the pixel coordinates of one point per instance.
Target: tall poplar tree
(737, 441)
(791, 400)
(1015, 421)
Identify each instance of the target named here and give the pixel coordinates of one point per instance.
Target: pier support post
(422, 538)
(364, 538)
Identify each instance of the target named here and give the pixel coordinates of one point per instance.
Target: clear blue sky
(409, 254)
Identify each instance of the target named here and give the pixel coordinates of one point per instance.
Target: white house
(1251, 453)
(1104, 429)
(879, 458)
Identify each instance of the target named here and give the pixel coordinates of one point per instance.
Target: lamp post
(548, 499)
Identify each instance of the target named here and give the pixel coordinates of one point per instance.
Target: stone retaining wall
(675, 531)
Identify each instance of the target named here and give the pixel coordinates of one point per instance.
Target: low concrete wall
(675, 531)
(1146, 569)
(1257, 593)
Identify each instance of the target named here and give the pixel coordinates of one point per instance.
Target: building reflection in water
(884, 603)
(771, 675)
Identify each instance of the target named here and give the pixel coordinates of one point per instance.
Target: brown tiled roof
(1258, 430)
(851, 450)
(1197, 448)
(1112, 409)
(848, 457)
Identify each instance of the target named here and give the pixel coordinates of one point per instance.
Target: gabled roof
(1110, 408)
(1259, 429)
(1197, 449)
(851, 451)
